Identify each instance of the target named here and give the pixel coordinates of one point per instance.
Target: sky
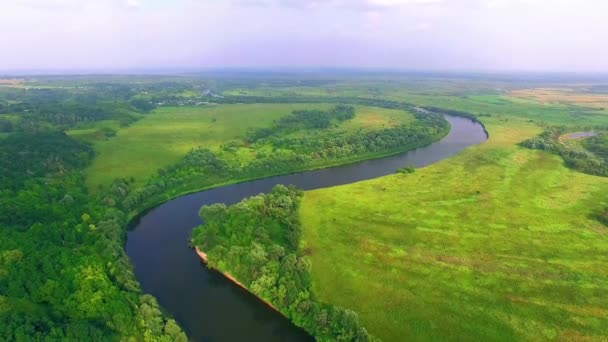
(428, 35)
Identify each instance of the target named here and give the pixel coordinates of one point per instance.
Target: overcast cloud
(493, 35)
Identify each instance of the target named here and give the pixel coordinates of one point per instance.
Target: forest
(63, 270)
(64, 274)
(257, 241)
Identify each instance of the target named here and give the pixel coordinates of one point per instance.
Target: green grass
(495, 243)
(94, 131)
(479, 98)
(164, 136)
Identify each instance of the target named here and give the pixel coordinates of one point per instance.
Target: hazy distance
(434, 35)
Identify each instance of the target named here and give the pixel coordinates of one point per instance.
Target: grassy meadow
(563, 104)
(164, 136)
(496, 243)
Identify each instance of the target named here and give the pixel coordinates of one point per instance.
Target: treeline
(370, 102)
(578, 159)
(64, 274)
(382, 103)
(321, 144)
(304, 119)
(257, 241)
(598, 145)
(592, 160)
(39, 109)
(318, 147)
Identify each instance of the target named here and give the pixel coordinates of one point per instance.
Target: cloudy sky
(463, 35)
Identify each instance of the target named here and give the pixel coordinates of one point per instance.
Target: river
(208, 306)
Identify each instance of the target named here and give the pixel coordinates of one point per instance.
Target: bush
(406, 169)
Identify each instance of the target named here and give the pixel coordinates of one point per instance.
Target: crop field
(10, 81)
(562, 96)
(496, 243)
(164, 136)
(544, 106)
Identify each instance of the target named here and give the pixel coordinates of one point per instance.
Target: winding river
(208, 306)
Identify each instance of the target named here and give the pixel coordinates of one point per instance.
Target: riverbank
(497, 227)
(203, 256)
(169, 195)
(165, 229)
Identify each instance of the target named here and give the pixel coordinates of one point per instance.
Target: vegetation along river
(207, 305)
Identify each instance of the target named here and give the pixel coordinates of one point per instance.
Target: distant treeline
(578, 159)
(41, 109)
(381, 103)
(592, 160)
(304, 119)
(257, 241)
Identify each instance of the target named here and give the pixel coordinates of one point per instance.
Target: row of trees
(598, 145)
(579, 159)
(592, 160)
(64, 109)
(257, 241)
(302, 120)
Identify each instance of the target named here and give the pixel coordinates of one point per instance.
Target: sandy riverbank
(205, 259)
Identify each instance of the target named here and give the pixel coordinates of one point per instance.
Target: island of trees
(257, 241)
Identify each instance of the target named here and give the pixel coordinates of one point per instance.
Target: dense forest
(63, 270)
(36, 109)
(257, 241)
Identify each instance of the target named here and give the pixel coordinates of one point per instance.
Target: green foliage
(257, 241)
(466, 249)
(304, 119)
(163, 137)
(603, 217)
(293, 148)
(142, 104)
(598, 145)
(36, 108)
(27, 156)
(6, 126)
(577, 159)
(63, 271)
(406, 169)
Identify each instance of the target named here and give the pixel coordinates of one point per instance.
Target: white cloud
(133, 3)
(413, 34)
(344, 4)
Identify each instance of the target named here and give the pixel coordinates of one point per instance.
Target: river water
(208, 306)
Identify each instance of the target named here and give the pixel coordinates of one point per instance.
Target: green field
(163, 137)
(496, 243)
(487, 98)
